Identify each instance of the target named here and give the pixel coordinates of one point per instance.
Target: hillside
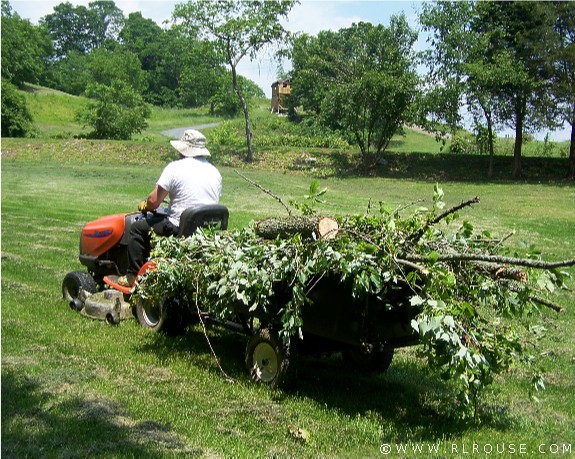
(279, 145)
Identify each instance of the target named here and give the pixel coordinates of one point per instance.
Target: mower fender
(146, 268)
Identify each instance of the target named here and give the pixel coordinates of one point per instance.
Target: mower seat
(208, 216)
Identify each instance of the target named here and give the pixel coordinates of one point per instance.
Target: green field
(76, 387)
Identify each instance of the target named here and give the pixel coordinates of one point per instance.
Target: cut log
(497, 271)
(316, 227)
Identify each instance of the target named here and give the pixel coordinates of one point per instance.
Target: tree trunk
(250, 156)
(309, 227)
(490, 146)
(519, 114)
(572, 148)
(488, 117)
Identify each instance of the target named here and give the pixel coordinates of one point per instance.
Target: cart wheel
(75, 281)
(377, 362)
(269, 360)
(160, 317)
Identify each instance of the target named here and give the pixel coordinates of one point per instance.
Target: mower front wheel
(75, 281)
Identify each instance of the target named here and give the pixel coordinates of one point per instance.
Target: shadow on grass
(446, 167)
(408, 395)
(40, 423)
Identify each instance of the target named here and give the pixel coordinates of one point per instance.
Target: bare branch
(538, 299)
(539, 264)
(266, 191)
(417, 235)
(544, 302)
(405, 206)
(410, 264)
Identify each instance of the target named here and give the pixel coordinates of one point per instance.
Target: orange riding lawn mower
(104, 252)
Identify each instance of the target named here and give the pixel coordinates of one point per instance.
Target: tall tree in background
(238, 29)
(563, 65)
(449, 26)
(147, 40)
(522, 33)
(108, 20)
(26, 48)
(81, 29)
(181, 69)
(459, 74)
(105, 66)
(360, 80)
(493, 55)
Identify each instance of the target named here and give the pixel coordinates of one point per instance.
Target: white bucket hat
(192, 143)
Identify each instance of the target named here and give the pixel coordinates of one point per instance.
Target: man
(190, 181)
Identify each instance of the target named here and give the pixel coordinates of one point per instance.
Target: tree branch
(414, 237)
(538, 299)
(265, 190)
(539, 264)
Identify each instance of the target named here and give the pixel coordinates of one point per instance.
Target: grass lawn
(74, 387)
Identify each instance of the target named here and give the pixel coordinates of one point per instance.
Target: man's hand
(143, 206)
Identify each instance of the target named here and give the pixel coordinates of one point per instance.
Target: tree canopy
(360, 80)
(501, 72)
(26, 49)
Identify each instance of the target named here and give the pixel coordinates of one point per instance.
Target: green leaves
(115, 112)
(360, 81)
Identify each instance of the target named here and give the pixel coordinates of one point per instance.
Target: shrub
(462, 145)
(16, 117)
(116, 112)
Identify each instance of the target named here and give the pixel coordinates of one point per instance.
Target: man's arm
(155, 198)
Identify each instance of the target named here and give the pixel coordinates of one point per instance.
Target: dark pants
(139, 246)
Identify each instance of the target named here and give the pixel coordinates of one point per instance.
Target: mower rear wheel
(271, 361)
(160, 317)
(75, 281)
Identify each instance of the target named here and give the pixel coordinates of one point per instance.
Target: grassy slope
(72, 387)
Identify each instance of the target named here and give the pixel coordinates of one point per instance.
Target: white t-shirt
(190, 182)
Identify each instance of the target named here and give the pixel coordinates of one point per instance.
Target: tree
(142, 37)
(180, 69)
(563, 65)
(238, 29)
(522, 33)
(25, 48)
(81, 29)
(115, 112)
(155, 48)
(360, 80)
(201, 74)
(224, 101)
(16, 118)
(71, 73)
(460, 74)
(500, 70)
(108, 22)
(106, 66)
